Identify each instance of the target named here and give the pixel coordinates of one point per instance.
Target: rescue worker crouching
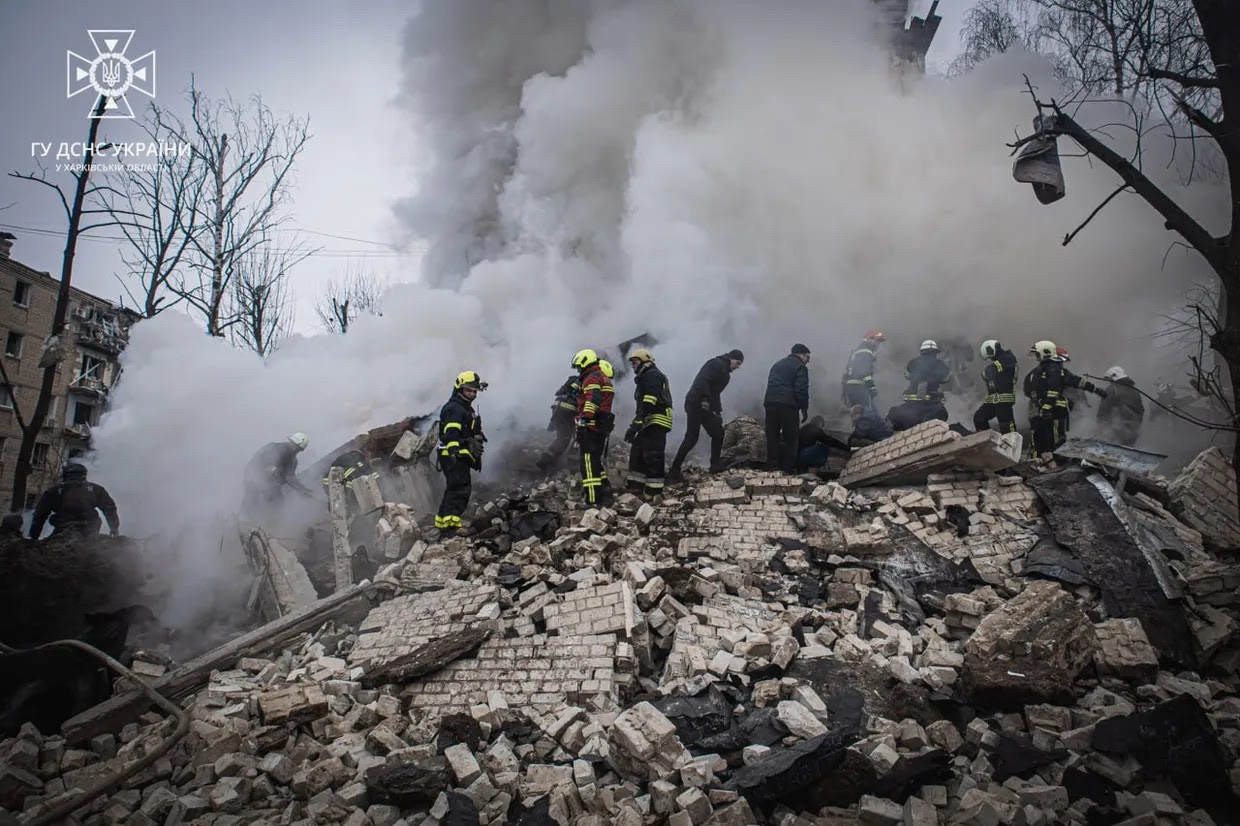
(1121, 412)
(859, 387)
(814, 444)
(73, 505)
(651, 424)
(923, 398)
(868, 427)
(594, 425)
(460, 449)
(563, 416)
(1045, 386)
(271, 471)
(999, 374)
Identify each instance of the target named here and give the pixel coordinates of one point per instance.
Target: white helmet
(989, 347)
(301, 440)
(1044, 350)
(1116, 373)
(929, 344)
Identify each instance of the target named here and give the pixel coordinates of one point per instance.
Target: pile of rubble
(965, 648)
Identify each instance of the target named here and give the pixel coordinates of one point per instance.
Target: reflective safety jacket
(566, 396)
(654, 398)
(1000, 377)
(594, 400)
(1046, 385)
(460, 430)
(353, 462)
(925, 375)
(860, 369)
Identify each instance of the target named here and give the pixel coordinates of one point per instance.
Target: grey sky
(336, 62)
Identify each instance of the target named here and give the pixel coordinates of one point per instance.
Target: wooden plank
(113, 714)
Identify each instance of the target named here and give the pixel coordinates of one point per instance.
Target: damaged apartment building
(96, 332)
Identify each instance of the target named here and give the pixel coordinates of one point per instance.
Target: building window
(39, 457)
(92, 368)
(13, 345)
(83, 413)
(6, 396)
(21, 294)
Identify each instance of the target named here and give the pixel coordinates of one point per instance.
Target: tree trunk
(217, 272)
(30, 434)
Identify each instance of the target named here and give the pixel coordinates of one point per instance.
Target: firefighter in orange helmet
(859, 385)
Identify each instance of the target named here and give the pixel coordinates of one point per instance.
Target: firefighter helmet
(608, 370)
(1116, 373)
(584, 358)
(875, 335)
(642, 355)
(301, 440)
(469, 378)
(929, 345)
(1043, 349)
(989, 347)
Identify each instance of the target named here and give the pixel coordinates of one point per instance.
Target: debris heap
(966, 648)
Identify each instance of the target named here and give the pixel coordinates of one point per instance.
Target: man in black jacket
(1000, 377)
(271, 471)
(73, 505)
(460, 449)
(814, 444)
(648, 432)
(704, 409)
(787, 391)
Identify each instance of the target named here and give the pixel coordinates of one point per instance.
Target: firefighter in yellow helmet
(460, 449)
(594, 424)
(653, 421)
(1045, 386)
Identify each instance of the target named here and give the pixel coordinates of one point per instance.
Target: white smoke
(718, 173)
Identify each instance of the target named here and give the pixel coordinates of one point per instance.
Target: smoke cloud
(717, 173)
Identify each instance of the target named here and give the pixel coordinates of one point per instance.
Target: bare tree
(991, 27)
(156, 206)
(246, 156)
(355, 293)
(1217, 24)
(260, 307)
(74, 213)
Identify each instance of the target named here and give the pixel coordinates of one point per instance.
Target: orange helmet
(1062, 354)
(875, 335)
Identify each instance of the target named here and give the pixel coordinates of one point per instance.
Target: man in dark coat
(787, 393)
(73, 505)
(272, 470)
(704, 409)
(1120, 414)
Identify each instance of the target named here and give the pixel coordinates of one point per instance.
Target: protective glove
(630, 435)
(804, 416)
(1102, 394)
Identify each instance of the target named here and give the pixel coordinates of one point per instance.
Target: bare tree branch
(1067, 239)
(261, 309)
(356, 293)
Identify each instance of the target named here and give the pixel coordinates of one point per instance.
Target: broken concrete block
(1029, 650)
(910, 456)
(1124, 650)
(644, 746)
(297, 703)
(799, 720)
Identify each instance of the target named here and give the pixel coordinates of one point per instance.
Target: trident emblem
(110, 73)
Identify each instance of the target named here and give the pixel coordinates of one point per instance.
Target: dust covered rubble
(757, 649)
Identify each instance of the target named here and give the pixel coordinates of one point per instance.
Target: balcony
(102, 335)
(80, 431)
(89, 385)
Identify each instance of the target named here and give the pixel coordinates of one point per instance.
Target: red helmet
(1062, 353)
(875, 335)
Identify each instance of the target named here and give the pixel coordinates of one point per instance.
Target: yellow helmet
(469, 379)
(641, 354)
(608, 370)
(584, 359)
(1044, 349)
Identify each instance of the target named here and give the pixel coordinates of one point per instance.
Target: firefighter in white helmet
(1045, 386)
(1122, 411)
(927, 376)
(999, 374)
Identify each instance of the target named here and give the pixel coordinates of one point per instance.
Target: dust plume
(717, 173)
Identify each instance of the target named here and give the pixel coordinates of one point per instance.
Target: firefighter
(1045, 386)
(923, 398)
(1121, 412)
(563, 414)
(868, 426)
(594, 425)
(704, 409)
(271, 471)
(859, 385)
(73, 505)
(353, 463)
(999, 374)
(460, 449)
(651, 424)
(787, 391)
